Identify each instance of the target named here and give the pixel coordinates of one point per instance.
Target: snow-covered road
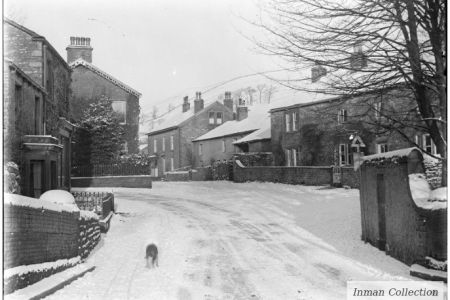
(220, 240)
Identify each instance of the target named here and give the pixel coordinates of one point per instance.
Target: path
(220, 240)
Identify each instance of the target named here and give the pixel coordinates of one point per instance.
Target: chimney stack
(317, 72)
(228, 102)
(80, 47)
(358, 59)
(186, 104)
(198, 102)
(241, 110)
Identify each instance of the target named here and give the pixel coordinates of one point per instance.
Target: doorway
(381, 199)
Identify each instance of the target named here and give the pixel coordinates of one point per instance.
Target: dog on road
(151, 252)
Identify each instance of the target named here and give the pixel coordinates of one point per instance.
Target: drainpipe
(44, 84)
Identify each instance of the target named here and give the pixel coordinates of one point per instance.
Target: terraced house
(170, 142)
(338, 130)
(89, 83)
(36, 93)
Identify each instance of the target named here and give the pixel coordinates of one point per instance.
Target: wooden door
(381, 198)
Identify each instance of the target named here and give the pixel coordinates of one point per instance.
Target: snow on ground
(221, 240)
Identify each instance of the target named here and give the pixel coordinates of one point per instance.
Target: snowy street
(221, 240)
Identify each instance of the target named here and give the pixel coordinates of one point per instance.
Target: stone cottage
(222, 142)
(170, 141)
(338, 130)
(89, 83)
(36, 93)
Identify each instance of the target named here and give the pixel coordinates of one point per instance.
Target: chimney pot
(228, 102)
(186, 105)
(198, 102)
(80, 47)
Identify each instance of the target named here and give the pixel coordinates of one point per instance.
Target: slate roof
(257, 117)
(263, 133)
(82, 62)
(176, 117)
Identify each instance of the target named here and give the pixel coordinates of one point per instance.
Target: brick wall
(35, 235)
(290, 175)
(87, 86)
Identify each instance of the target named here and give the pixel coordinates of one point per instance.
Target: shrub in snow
(60, 197)
(11, 178)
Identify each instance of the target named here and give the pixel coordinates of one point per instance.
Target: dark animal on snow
(151, 252)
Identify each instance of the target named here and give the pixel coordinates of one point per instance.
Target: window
(120, 108)
(211, 118)
(223, 146)
(382, 147)
(288, 157)
(200, 149)
(171, 164)
(171, 142)
(377, 109)
(428, 144)
(288, 122)
(164, 144)
(219, 118)
(155, 145)
(342, 116)
(163, 161)
(294, 157)
(345, 156)
(295, 121)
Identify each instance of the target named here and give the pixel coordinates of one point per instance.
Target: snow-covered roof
(261, 134)
(82, 62)
(258, 116)
(176, 117)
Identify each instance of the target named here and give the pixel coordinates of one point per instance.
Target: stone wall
(140, 181)
(88, 237)
(34, 235)
(289, 175)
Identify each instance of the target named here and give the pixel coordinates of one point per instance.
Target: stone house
(89, 83)
(36, 93)
(222, 142)
(338, 130)
(170, 141)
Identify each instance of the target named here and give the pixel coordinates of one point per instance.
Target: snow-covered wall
(37, 231)
(396, 217)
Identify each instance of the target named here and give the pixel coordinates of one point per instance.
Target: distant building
(89, 83)
(170, 141)
(36, 94)
(332, 131)
(222, 142)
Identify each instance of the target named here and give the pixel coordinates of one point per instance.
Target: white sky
(162, 48)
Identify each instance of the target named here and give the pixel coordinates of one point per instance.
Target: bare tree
(260, 88)
(270, 91)
(250, 92)
(366, 45)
